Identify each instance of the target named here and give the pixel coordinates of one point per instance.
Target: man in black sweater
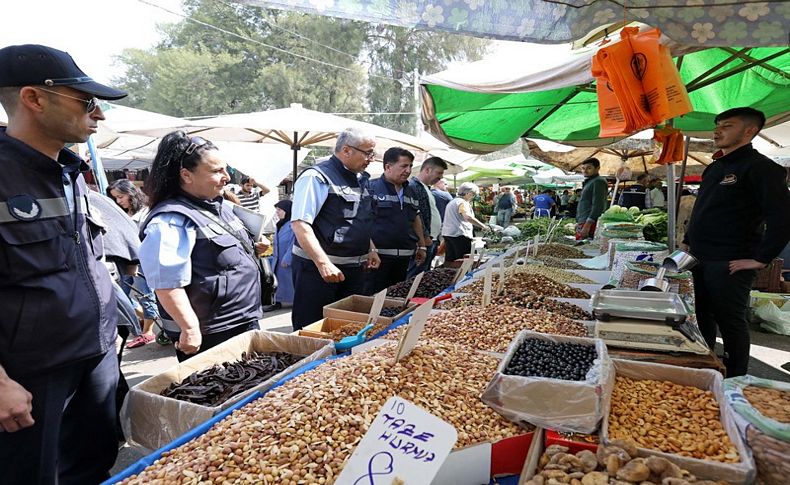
(740, 191)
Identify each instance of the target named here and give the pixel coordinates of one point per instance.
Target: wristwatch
(423, 248)
(373, 250)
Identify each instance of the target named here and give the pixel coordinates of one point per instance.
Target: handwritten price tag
(404, 444)
(378, 304)
(413, 330)
(465, 266)
(415, 284)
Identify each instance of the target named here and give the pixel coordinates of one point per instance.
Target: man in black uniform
(58, 369)
(740, 190)
(638, 194)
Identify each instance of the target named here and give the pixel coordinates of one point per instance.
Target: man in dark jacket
(592, 200)
(58, 370)
(740, 190)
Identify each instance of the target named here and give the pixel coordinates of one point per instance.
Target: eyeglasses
(90, 104)
(368, 153)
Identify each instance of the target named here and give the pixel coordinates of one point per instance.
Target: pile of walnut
(615, 464)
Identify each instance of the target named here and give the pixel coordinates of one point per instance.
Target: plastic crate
(770, 278)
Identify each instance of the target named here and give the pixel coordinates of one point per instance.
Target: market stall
(486, 320)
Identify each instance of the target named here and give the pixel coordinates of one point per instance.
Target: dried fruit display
(772, 403)
(219, 383)
(492, 328)
(303, 431)
(433, 282)
(669, 417)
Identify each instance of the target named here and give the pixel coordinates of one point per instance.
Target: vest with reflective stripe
(225, 290)
(344, 223)
(57, 304)
(393, 228)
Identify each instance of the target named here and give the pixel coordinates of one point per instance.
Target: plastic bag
(511, 231)
(672, 145)
(638, 85)
(775, 320)
(573, 406)
(625, 251)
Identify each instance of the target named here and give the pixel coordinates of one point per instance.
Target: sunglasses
(90, 104)
(195, 142)
(368, 153)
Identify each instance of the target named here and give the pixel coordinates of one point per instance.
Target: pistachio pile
(352, 328)
(661, 415)
(492, 328)
(303, 431)
(556, 274)
(614, 463)
(561, 251)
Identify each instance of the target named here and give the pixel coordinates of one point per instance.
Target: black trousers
(722, 302)
(456, 247)
(391, 271)
(312, 293)
(212, 339)
(73, 440)
(415, 268)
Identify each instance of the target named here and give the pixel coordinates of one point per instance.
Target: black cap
(39, 65)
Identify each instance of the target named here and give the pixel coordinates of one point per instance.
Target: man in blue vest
(58, 368)
(544, 203)
(332, 214)
(505, 205)
(397, 228)
(637, 195)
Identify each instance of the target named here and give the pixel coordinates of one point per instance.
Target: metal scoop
(657, 283)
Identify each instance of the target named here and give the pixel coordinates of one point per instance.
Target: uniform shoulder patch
(24, 207)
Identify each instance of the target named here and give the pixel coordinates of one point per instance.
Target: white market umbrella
(298, 127)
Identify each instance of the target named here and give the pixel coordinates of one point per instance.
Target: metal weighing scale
(652, 318)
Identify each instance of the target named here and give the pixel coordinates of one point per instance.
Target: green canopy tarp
(479, 108)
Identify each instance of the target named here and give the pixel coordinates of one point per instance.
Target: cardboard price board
(465, 266)
(502, 272)
(487, 283)
(413, 330)
(378, 304)
(415, 284)
(404, 444)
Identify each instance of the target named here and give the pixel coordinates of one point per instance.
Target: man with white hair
(333, 213)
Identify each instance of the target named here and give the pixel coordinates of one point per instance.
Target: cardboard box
(734, 473)
(574, 446)
(574, 406)
(357, 308)
(322, 329)
(479, 463)
(152, 421)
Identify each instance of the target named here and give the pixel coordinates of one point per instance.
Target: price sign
(501, 284)
(537, 240)
(465, 266)
(413, 330)
(378, 304)
(480, 257)
(487, 280)
(404, 444)
(414, 285)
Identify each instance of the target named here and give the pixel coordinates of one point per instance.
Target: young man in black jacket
(740, 190)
